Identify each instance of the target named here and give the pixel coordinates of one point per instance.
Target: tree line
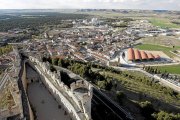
(84, 70)
(163, 74)
(35, 20)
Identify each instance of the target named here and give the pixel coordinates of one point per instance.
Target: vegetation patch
(141, 84)
(166, 50)
(163, 23)
(17, 21)
(114, 81)
(173, 69)
(6, 99)
(161, 40)
(5, 49)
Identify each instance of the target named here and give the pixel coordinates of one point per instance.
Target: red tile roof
(137, 54)
(134, 54)
(144, 55)
(150, 55)
(131, 54)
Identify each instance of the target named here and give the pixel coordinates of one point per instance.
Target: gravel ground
(44, 104)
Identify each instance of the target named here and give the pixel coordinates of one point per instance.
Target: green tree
(120, 96)
(108, 85)
(55, 61)
(162, 115)
(52, 68)
(101, 84)
(60, 62)
(147, 109)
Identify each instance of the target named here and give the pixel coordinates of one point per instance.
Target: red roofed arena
(136, 55)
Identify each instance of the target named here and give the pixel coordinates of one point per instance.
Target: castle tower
(83, 91)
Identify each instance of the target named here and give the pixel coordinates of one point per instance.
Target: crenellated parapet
(46, 69)
(83, 93)
(78, 94)
(79, 84)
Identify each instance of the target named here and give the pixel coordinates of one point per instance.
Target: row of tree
(151, 70)
(164, 74)
(84, 70)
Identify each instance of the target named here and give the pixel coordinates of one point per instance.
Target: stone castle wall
(81, 110)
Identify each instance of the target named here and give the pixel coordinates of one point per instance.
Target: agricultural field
(166, 50)
(163, 23)
(103, 14)
(161, 40)
(173, 69)
(111, 14)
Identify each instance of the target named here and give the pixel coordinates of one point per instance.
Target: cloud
(104, 4)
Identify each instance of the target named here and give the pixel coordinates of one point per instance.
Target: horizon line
(84, 9)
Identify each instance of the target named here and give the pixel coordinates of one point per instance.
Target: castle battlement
(80, 84)
(78, 93)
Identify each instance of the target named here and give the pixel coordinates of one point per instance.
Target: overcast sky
(105, 4)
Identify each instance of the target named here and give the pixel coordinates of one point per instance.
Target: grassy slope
(174, 69)
(166, 50)
(137, 86)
